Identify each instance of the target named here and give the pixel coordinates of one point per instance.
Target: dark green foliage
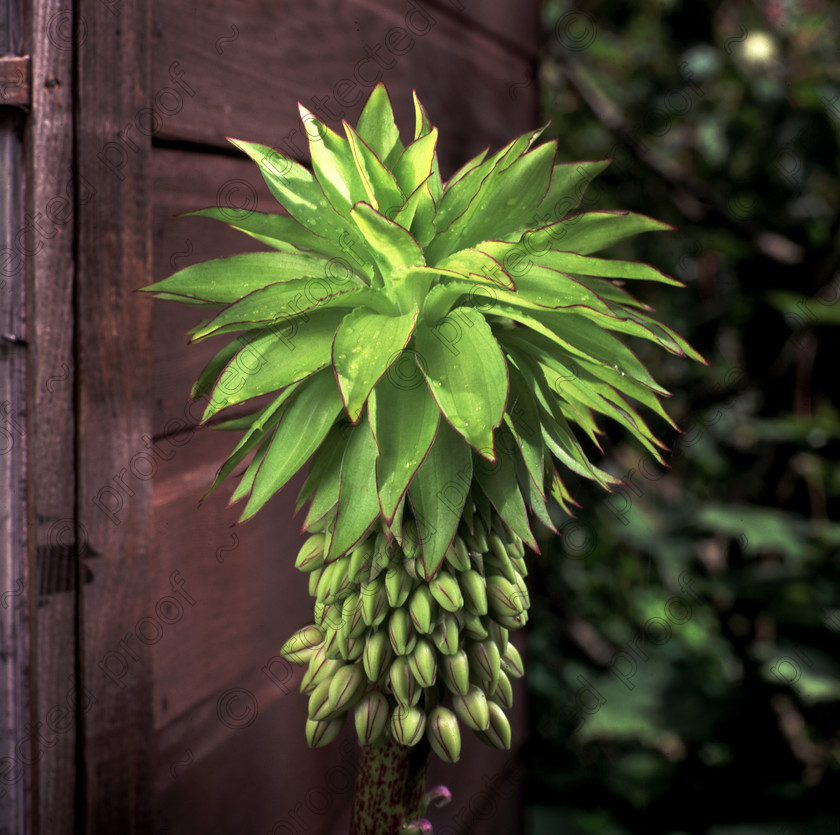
(721, 718)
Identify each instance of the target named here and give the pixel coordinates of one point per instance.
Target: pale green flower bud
(455, 669)
(498, 733)
(347, 687)
(301, 646)
(407, 724)
(472, 709)
(443, 734)
(445, 589)
(371, 717)
(323, 733)
(311, 554)
(377, 655)
(422, 609)
(423, 663)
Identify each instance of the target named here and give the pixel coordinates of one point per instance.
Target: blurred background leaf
(685, 641)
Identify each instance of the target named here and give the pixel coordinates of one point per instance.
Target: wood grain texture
(512, 24)
(114, 382)
(218, 73)
(16, 598)
(51, 198)
(17, 782)
(15, 80)
(248, 596)
(258, 778)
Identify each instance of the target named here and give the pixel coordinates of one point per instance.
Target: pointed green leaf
(563, 445)
(226, 280)
(237, 424)
(626, 374)
(204, 384)
(389, 244)
(366, 345)
(395, 525)
(458, 196)
(277, 231)
(437, 495)
(261, 425)
(298, 191)
(474, 261)
(466, 373)
(381, 188)
(612, 292)
(499, 482)
(515, 149)
(276, 357)
(574, 383)
(482, 506)
(505, 203)
(302, 427)
(278, 302)
(551, 289)
(321, 484)
(571, 262)
(416, 162)
(524, 421)
(536, 319)
(318, 472)
(540, 289)
(569, 181)
(418, 214)
(246, 483)
(637, 322)
(376, 126)
(423, 127)
(561, 494)
(556, 432)
(533, 497)
(404, 419)
(629, 386)
(626, 320)
(598, 345)
(358, 505)
(590, 231)
(333, 164)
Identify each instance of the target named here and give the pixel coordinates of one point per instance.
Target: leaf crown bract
(423, 341)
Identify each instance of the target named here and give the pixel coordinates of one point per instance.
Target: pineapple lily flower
(431, 347)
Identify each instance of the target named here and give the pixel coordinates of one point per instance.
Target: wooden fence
(140, 686)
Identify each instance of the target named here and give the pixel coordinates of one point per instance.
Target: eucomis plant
(439, 351)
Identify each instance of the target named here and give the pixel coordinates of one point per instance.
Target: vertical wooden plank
(16, 747)
(15, 587)
(15, 598)
(50, 268)
(115, 454)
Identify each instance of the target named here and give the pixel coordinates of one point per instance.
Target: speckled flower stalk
(434, 350)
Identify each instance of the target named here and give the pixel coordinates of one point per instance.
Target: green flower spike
(437, 352)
